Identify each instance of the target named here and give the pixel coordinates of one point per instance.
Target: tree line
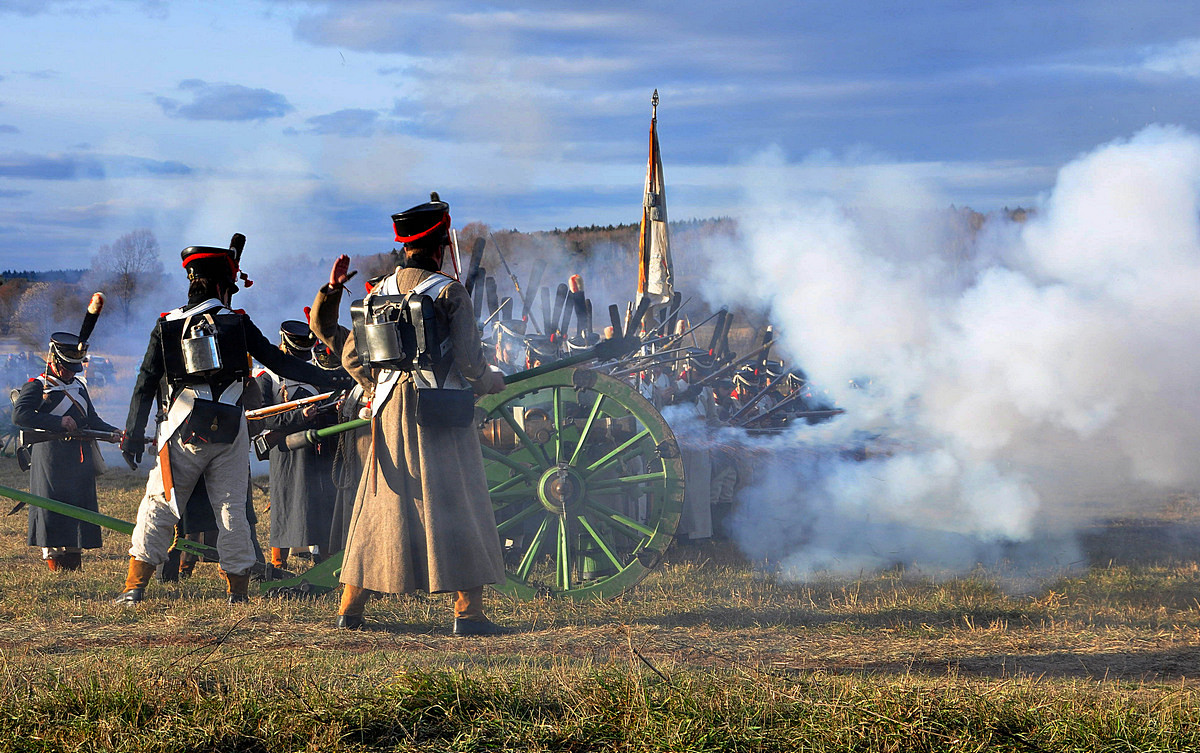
(33, 303)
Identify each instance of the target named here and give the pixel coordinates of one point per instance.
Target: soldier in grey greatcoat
(423, 519)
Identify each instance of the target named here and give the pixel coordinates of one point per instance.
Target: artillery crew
(301, 480)
(56, 404)
(423, 518)
(201, 350)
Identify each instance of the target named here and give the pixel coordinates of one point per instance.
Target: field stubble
(710, 653)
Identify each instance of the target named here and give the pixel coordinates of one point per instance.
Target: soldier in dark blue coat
(57, 401)
(302, 489)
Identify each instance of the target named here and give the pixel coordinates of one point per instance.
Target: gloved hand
(131, 450)
(337, 275)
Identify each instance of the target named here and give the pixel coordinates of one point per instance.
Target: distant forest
(70, 276)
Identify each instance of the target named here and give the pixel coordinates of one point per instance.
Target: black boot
(168, 572)
(350, 622)
(479, 627)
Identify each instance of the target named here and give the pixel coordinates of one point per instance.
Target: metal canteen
(200, 354)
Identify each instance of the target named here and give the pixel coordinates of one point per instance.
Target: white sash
(76, 390)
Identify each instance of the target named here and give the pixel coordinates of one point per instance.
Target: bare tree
(129, 268)
(44, 308)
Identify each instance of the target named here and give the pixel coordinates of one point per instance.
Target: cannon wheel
(588, 488)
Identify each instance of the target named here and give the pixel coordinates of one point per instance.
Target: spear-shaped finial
(654, 105)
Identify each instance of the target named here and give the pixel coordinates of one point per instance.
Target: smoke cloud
(1003, 388)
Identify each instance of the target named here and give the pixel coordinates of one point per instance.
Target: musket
(504, 261)
(657, 358)
(731, 366)
(290, 405)
(668, 318)
(37, 436)
(672, 338)
(787, 401)
(497, 311)
(757, 398)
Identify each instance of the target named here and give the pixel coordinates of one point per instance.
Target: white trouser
(226, 472)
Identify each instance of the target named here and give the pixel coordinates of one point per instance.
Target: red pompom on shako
(423, 222)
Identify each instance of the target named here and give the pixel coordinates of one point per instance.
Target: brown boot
(279, 557)
(239, 586)
(70, 561)
(53, 564)
(135, 582)
(354, 602)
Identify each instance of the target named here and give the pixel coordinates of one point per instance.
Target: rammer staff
(291, 405)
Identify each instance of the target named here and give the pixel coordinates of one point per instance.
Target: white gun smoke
(1015, 393)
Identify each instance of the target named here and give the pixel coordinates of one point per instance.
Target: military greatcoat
(423, 518)
(63, 470)
(302, 487)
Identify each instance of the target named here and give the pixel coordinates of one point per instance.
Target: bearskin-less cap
(423, 221)
(66, 348)
(296, 335)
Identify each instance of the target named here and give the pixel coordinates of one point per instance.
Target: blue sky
(305, 124)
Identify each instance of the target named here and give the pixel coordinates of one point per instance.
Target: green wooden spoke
(500, 457)
(511, 494)
(615, 453)
(618, 518)
(600, 542)
(556, 398)
(623, 481)
(508, 484)
(564, 555)
(535, 545)
(587, 427)
(528, 512)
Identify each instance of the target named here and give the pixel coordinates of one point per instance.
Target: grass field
(709, 653)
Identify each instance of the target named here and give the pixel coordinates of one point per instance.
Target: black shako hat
(220, 264)
(295, 335)
(423, 224)
(67, 349)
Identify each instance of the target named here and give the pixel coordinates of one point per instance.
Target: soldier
(201, 350)
(57, 401)
(423, 518)
(302, 491)
(352, 446)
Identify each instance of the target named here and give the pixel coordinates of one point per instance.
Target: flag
(656, 277)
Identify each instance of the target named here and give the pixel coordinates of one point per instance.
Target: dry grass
(708, 654)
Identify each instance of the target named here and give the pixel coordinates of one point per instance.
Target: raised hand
(338, 275)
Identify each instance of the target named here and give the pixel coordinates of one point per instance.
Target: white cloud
(1179, 59)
